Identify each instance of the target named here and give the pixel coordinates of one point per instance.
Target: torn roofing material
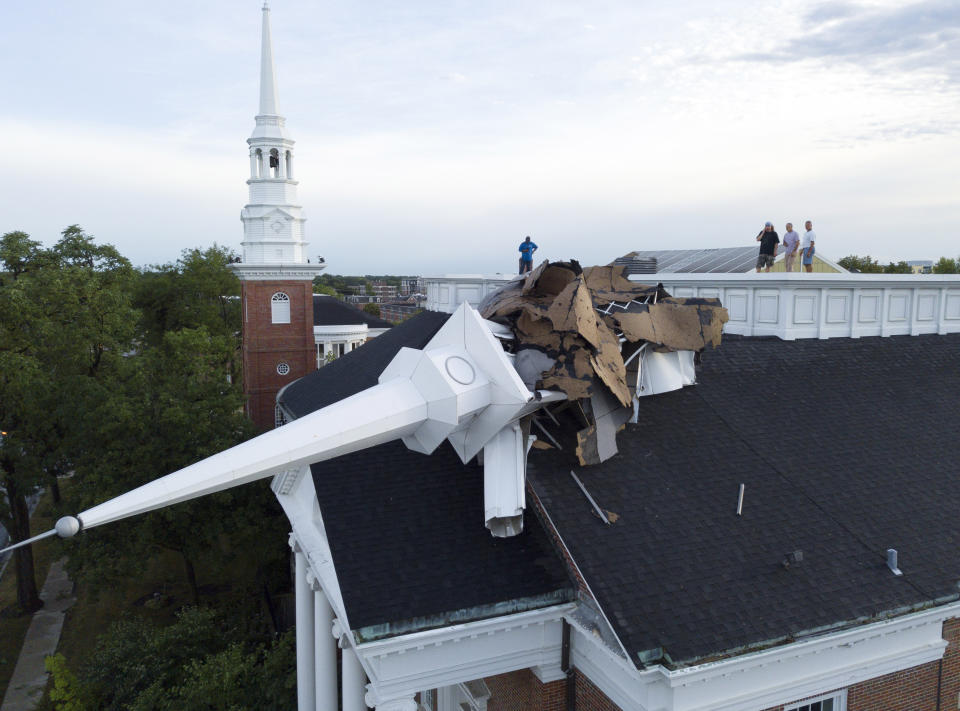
(578, 316)
(580, 322)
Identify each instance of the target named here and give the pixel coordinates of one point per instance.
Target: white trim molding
(779, 675)
(276, 272)
(460, 653)
(824, 305)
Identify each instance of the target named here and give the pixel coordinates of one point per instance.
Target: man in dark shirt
(768, 240)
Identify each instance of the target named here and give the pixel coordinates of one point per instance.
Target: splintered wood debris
(576, 319)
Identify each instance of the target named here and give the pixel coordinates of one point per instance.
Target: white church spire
(268, 75)
(273, 220)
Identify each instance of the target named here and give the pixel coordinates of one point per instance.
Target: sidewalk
(29, 676)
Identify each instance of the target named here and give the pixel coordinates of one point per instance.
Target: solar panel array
(725, 260)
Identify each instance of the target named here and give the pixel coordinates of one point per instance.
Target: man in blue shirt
(527, 248)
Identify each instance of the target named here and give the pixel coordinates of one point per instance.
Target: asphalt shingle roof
(405, 529)
(358, 369)
(846, 448)
(330, 311)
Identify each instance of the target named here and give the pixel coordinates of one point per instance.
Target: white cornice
(771, 677)
(332, 333)
(459, 653)
(276, 272)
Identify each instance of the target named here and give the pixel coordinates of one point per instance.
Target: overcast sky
(433, 136)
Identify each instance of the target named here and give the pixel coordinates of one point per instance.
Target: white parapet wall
(786, 305)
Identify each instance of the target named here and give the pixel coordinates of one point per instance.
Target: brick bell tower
(276, 279)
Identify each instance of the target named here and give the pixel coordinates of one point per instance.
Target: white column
(281, 163)
(253, 164)
(325, 653)
(306, 699)
(290, 171)
(354, 681)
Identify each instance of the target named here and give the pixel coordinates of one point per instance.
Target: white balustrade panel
(786, 305)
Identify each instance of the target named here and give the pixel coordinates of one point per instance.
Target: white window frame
(839, 701)
(280, 308)
(283, 368)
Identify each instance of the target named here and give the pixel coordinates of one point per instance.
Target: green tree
(65, 322)
(178, 408)
(373, 309)
(900, 267)
(865, 265)
(197, 290)
(181, 401)
(203, 660)
(324, 289)
(67, 692)
(946, 265)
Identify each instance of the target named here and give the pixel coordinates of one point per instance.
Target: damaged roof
(398, 521)
(845, 447)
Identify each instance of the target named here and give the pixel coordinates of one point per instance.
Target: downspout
(568, 670)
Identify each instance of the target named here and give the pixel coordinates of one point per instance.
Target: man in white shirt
(791, 240)
(807, 248)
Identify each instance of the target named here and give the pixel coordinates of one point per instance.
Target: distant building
(383, 290)
(339, 327)
(411, 285)
(921, 266)
(398, 312)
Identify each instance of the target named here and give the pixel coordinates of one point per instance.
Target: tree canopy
(66, 323)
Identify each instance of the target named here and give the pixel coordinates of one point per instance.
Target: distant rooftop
(330, 311)
(722, 260)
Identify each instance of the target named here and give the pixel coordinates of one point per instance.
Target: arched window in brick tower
(280, 308)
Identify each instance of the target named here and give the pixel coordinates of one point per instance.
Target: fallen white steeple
(461, 387)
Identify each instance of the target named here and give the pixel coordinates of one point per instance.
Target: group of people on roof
(792, 244)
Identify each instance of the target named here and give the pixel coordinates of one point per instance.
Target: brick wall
(950, 675)
(913, 689)
(523, 691)
(590, 698)
(265, 344)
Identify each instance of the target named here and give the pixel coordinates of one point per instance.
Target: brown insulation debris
(557, 308)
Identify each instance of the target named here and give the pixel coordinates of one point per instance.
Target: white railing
(786, 305)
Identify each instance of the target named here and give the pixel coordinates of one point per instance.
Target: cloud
(918, 36)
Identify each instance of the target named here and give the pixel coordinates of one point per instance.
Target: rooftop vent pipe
(892, 561)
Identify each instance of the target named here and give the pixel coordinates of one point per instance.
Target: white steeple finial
(268, 75)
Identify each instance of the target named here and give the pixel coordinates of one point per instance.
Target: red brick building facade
(276, 351)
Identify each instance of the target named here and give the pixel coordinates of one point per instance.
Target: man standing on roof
(527, 248)
(791, 240)
(808, 248)
(768, 240)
